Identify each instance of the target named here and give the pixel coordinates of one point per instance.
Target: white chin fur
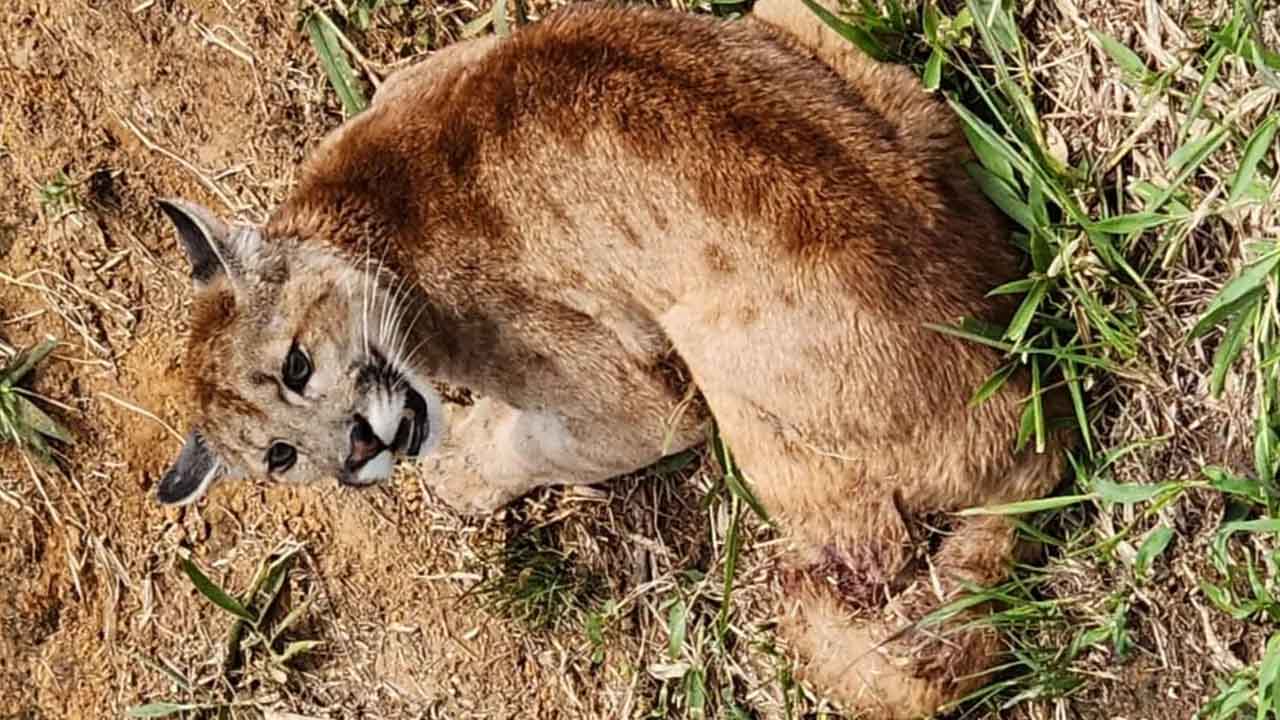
(379, 468)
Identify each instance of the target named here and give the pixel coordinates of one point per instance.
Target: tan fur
(616, 211)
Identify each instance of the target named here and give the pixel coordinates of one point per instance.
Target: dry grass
(651, 597)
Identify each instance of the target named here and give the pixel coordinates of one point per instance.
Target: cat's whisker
(406, 330)
(364, 308)
(401, 329)
(419, 345)
(394, 332)
(391, 311)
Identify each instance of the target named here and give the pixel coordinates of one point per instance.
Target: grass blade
(933, 70)
(1133, 222)
(1002, 194)
(1269, 673)
(1075, 389)
(1192, 153)
(989, 155)
(738, 488)
(992, 385)
(1232, 484)
(271, 583)
(996, 26)
(993, 151)
(1016, 287)
(736, 483)
(967, 334)
(1037, 405)
(854, 34)
(24, 361)
(1237, 292)
(695, 693)
(1264, 441)
(1026, 427)
(33, 417)
(1152, 548)
(1270, 525)
(1027, 506)
(1125, 58)
(298, 648)
(1231, 347)
(1130, 493)
(1254, 150)
(500, 18)
(333, 58)
(677, 625)
(733, 543)
(1026, 311)
(1210, 76)
(1148, 192)
(215, 594)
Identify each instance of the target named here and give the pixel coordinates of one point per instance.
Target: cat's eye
(280, 457)
(297, 369)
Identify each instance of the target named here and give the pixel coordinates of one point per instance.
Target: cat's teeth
(384, 415)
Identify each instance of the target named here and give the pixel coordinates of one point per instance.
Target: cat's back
(839, 160)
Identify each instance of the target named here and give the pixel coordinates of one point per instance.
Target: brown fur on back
(841, 183)
(614, 203)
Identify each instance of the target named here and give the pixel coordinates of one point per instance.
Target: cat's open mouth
(401, 412)
(401, 417)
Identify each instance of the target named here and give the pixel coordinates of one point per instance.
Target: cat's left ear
(191, 475)
(213, 246)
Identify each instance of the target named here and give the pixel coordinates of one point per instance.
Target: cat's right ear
(205, 238)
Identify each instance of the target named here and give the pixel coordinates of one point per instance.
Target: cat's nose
(365, 444)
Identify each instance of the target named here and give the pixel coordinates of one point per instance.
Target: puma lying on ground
(611, 227)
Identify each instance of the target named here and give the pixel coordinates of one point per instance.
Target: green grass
(258, 651)
(22, 420)
(696, 678)
(329, 24)
(57, 195)
(328, 43)
(536, 583)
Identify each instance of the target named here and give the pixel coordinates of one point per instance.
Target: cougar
(613, 227)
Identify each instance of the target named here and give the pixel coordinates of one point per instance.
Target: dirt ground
(108, 105)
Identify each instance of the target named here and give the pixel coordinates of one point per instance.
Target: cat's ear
(213, 247)
(191, 475)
